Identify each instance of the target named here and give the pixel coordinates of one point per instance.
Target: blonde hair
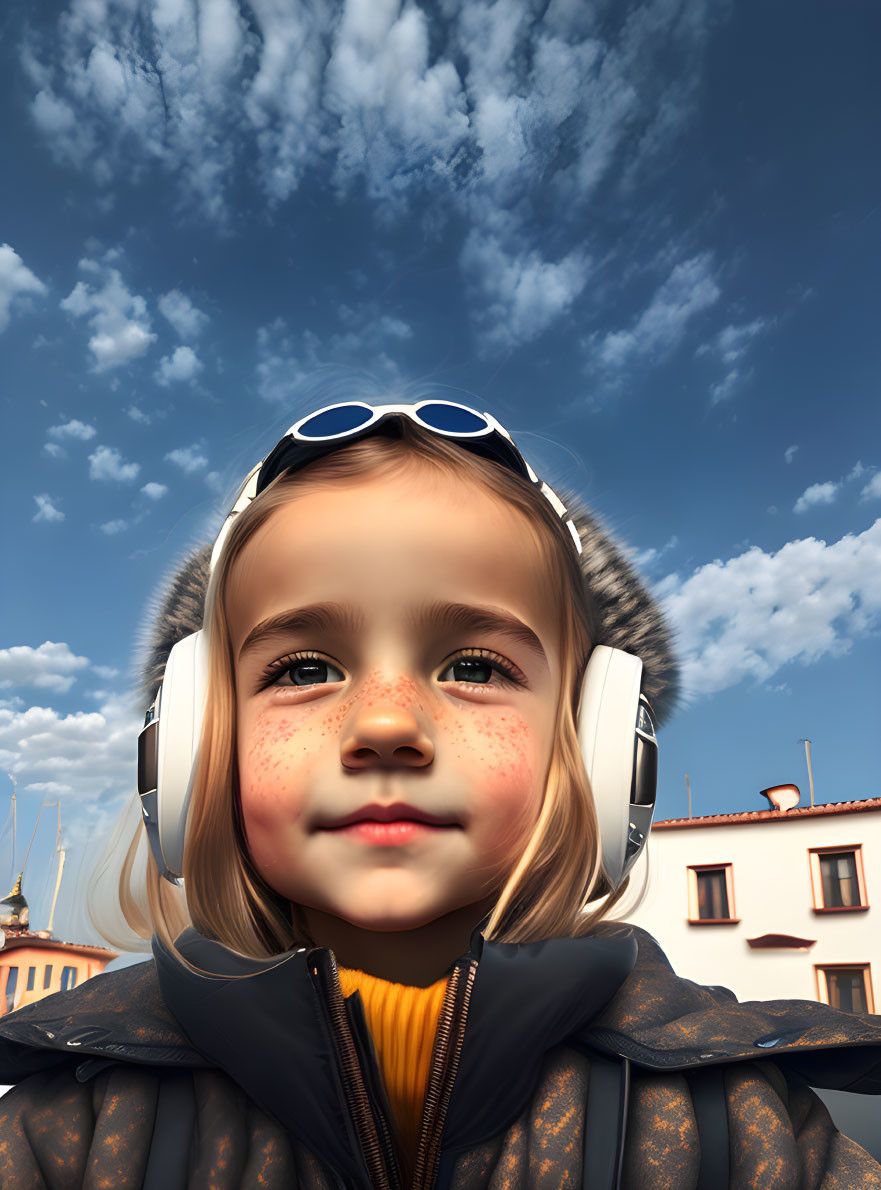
(558, 872)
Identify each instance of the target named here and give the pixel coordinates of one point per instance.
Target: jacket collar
(266, 1030)
(261, 1022)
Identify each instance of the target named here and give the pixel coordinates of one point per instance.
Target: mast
(59, 851)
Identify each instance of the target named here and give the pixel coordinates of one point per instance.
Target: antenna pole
(688, 787)
(60, 853)
(807, 744)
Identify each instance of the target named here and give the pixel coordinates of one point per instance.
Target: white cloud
(54, 451)
(51, 666)
(138, 415)
(73, 429)
(186, 318)
(46, 510)
(872, 490)
(790, 453)
(118, 318)
(189, 458)
(817, 493)
(155, 491)
(724, 388)
(105, 671)
(111, 528)
(688, 290)
(522, 294)
(749, 616)
(182, 365)
(646, 558)
(730, 345)
(17, 282)
(513, 110)
(107, 463)
(83, 755)
(732, 342)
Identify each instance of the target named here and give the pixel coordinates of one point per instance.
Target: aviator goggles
(320, 433)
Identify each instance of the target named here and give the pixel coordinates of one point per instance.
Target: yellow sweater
(402, 1022)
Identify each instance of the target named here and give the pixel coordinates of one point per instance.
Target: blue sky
(644, 235)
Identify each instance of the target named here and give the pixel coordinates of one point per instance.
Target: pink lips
(391, 813)
(389, 834)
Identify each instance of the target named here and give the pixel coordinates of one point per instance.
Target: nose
(386, 735)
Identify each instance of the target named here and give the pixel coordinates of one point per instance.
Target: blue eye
(474, 668)
(302, 671)
(477, 667)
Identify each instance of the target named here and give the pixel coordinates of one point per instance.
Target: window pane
(68, 978)
(11, 981)
(839, 874)
(32, 973)
(47, 976)
(712, 895)
(847, 988)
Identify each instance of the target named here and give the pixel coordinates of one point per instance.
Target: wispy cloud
(730, 346)
(817, 493)
(872, 490)
(189, 459)
(181, 366)
(369, 340)
(689, 289)
(112, 528)
(510, 112)
(73, 429)
(748, 617)
(121, 330)
(154, 491)
(829, 491)
(106, 463)
(47, 509)
(186, 318)
(790, 453)
(17, 283)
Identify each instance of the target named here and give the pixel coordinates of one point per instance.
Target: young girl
(403, 771)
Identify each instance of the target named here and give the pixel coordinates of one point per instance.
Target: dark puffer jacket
(582, 1062)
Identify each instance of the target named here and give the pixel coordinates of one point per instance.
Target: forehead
(385, 543)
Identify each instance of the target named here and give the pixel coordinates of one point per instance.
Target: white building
(773, 904)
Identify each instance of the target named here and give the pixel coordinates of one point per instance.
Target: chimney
(782, 797)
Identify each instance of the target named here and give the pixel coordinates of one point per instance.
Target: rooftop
(859, 806)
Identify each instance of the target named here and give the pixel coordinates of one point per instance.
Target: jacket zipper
(373, 1130)
(374, 1133)
(442, 1074)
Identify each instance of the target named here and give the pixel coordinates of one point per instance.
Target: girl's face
(394, 642)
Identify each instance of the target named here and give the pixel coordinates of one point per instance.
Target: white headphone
(615, 726)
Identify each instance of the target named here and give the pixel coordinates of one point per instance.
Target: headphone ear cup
(617, 742)
(181, 710)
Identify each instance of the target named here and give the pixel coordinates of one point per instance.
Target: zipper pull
(372, 1129)
(442, 1073)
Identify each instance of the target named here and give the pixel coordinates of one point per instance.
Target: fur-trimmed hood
(628, 616)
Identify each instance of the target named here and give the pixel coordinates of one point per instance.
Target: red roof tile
(859, 806)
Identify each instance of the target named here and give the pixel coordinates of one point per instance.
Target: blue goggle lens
(450, 420)
(332, 422)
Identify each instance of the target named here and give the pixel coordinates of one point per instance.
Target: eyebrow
(445, 617)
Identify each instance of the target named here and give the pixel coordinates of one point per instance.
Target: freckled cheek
(499, 750)
(275, 761)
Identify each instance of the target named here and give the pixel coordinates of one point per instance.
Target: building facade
(773, 904)
(33, 963)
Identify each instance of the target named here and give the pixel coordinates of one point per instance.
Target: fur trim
(176, 610)
(627, 615)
